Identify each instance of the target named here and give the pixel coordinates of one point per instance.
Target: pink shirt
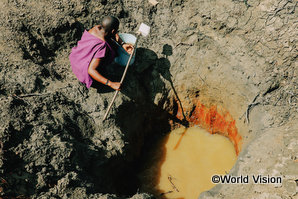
(88, 48)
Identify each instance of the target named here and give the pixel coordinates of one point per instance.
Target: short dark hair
(109, 23)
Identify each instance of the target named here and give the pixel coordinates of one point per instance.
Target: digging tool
(144, 31)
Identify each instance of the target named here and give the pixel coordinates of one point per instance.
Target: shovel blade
(144, 29)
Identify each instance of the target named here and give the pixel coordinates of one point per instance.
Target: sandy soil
(237, 55)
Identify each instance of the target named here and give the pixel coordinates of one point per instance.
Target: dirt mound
(238, 56)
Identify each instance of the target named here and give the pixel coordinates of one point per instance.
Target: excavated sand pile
(235, 60)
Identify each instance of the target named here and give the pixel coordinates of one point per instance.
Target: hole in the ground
(184, 160)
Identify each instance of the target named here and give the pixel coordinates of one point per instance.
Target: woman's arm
(127, 47)
(118, 39)
(98, 77)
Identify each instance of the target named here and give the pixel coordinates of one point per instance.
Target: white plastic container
(123, 56)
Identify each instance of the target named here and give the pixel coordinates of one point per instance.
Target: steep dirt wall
(238, 56)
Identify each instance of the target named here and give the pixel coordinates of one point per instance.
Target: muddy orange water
(182, 163)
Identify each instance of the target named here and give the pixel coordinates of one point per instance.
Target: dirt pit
(227, 66)
(184, 161)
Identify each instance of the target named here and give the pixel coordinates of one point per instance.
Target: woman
(97, 49)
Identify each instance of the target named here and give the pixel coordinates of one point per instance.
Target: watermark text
(245, 179)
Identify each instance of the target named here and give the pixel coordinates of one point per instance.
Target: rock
(290, 186)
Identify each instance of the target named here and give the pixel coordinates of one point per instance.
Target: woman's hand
(115, 85)
(98, 77)
(128, 48)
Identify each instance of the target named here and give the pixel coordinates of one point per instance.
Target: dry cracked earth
(237, 54)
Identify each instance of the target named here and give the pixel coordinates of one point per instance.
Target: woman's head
(110, 25)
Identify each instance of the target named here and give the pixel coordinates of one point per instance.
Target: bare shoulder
(95, 31)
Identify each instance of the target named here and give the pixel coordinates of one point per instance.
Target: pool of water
(182, 163)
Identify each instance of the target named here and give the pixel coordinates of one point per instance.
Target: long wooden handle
(122, 79)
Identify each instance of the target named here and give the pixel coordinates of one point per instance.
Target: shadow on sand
(145, 80)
